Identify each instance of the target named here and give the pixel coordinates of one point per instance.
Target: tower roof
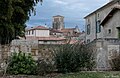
(58, 16)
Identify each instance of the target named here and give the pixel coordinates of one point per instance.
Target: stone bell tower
(58, 22)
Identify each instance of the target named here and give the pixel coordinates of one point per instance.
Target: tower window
(109, 31)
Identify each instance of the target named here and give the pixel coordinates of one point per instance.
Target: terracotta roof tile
(67, 30)
(45, 38)
(38, 28)
(57, 31)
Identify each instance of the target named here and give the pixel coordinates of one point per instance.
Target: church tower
(58, 22)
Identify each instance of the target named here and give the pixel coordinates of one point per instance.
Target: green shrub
(20, 63)
(72, 58)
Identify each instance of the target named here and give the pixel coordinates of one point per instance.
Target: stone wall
(104, 50)
(46, 52)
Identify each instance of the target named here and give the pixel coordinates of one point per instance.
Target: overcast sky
(73, 10)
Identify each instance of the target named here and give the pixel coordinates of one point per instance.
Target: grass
(92, 75)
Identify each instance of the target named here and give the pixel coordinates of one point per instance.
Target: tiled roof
(50, 38)
(73, 41)
(38, 28)
(58, 16)
(45, 38)
(41, 27)
(67, 30)
(54, 30)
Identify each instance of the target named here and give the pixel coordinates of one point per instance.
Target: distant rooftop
(38, 28)
(45, 38)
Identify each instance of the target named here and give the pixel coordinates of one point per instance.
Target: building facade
(103, 31)
(94, 28)
(39, 31)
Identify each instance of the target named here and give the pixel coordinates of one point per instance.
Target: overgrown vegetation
(44, 68)
(20, 63)
(115, 62)
(72, 58)
(68, 58)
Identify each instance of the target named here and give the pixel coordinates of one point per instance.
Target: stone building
(58, 22)
(103, 30)
(95, 22)
(38, 31)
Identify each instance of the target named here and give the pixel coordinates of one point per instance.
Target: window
(109, 31)
(98, 15)
(56, 19)
(29, 32)
(88, 29)
(45, 42)
(98, 27)
(32, 31)
(118, 32)
(88, 40)
(88, 20)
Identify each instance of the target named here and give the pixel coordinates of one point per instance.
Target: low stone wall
(23, 76)
(105, 50)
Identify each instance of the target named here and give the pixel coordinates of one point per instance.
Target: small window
(88, 20)
(98, 26)
(88, 29)
(88, 40)
(45, 41)
(109, 31)
(32, 31)
(98, 15)
(29, 32)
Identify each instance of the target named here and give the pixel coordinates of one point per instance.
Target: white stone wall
(38, 33)
(42, 33)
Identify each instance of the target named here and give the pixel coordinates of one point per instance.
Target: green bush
(44, 68)
(72, 58)
(20, 63)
